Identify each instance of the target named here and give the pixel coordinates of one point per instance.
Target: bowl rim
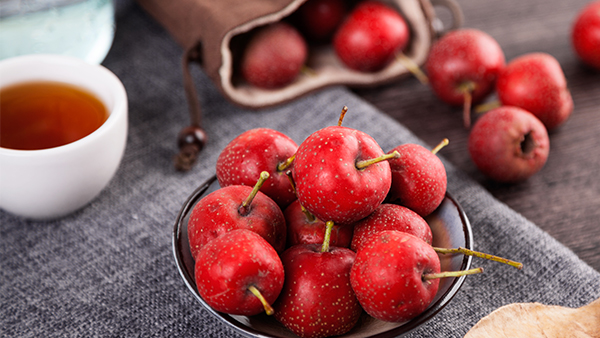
(239, 327)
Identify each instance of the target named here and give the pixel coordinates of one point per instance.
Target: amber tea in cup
(86, 104)
(45, 114)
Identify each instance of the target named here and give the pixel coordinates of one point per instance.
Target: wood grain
(564, 197)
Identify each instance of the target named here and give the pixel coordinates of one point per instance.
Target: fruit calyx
(268, 308)
(244, 209)
(527, 145)
(468, 252)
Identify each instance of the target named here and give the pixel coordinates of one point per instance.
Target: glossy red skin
(255, 151)
(227, 266)
(390, 217)
(495, 144)
(328, 183)
(419, 179)
(301, 230)
(585, 35)
(536, 83)
(320, 18)
(370, 37)
(274, 56)
(217, 213)
(316, 299)
(387, 276)
(461, 56)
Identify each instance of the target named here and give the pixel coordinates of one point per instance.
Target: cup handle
(455, 11)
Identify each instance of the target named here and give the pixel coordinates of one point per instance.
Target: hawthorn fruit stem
(309, 216)
(342, 114)
(468, 252)
(268, 308)
(291, 179)
(385, 157)
(467, 89)
(484, 107)
(445, 274)
(328, 227)
(308, 71)
(284, 165)
(440, 146)
(245, 207)
(412, 67)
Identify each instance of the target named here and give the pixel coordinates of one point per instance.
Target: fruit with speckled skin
(303, 229)
(328, 182)
(463, 65)
(387, 276)
(419, 179)
(255, 151)
(220, 212)
(317, 299)
(464, 55)
(319, 19)
(509, 144)
(390, 217)
(536, 83)
(585, 35)
(370, 37)
(274, 56)
(228, 266)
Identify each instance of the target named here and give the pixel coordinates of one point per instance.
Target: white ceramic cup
(51, 183)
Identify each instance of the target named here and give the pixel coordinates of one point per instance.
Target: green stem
(445, 274)
(245, 207)
(308, 71)
(342, 114)
(268, 308)
(291, 179)
(413, 67)
(284, 165)
(484, 107)
(467, 89)
(468, 252)
(385, 157)
(440, 146)
(328, 227)
(309, 216)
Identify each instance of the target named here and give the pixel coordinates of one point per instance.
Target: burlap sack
(211, 30)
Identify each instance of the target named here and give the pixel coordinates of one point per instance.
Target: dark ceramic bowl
(450, 228)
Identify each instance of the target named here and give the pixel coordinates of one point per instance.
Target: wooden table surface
(564, 197)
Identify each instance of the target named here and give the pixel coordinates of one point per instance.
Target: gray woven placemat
(108, 270)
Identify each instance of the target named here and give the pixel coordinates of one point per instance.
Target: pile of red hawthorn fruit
(318, 232)
(315, 234)
(365, 35)
(509, 143)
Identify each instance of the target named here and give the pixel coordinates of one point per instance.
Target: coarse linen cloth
(108, 269)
